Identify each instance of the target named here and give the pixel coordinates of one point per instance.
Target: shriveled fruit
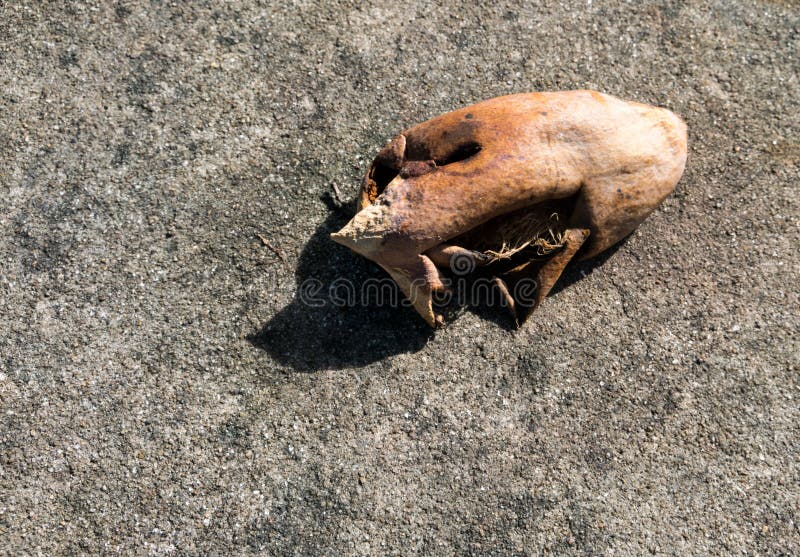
(531, 181)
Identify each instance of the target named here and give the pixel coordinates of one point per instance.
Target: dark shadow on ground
(322, 329)
(348, 313)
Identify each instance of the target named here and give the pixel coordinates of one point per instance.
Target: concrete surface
(163, 393)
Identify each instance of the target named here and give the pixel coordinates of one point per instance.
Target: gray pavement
(163, 390)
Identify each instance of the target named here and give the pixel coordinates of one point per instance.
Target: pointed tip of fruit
(346, 238)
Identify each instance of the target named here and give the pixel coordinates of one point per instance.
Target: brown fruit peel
(536, 175)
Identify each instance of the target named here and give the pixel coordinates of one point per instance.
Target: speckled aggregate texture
(164, 391)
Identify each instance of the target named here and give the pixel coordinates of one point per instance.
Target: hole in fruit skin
(461, 153)
(384, 169)
(382, 174)
(386, 166)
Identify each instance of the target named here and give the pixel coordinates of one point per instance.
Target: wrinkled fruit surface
(516, 187)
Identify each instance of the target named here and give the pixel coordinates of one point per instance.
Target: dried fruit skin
(611, 161)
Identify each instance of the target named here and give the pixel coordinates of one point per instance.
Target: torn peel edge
(509, 299)
(545, 275)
